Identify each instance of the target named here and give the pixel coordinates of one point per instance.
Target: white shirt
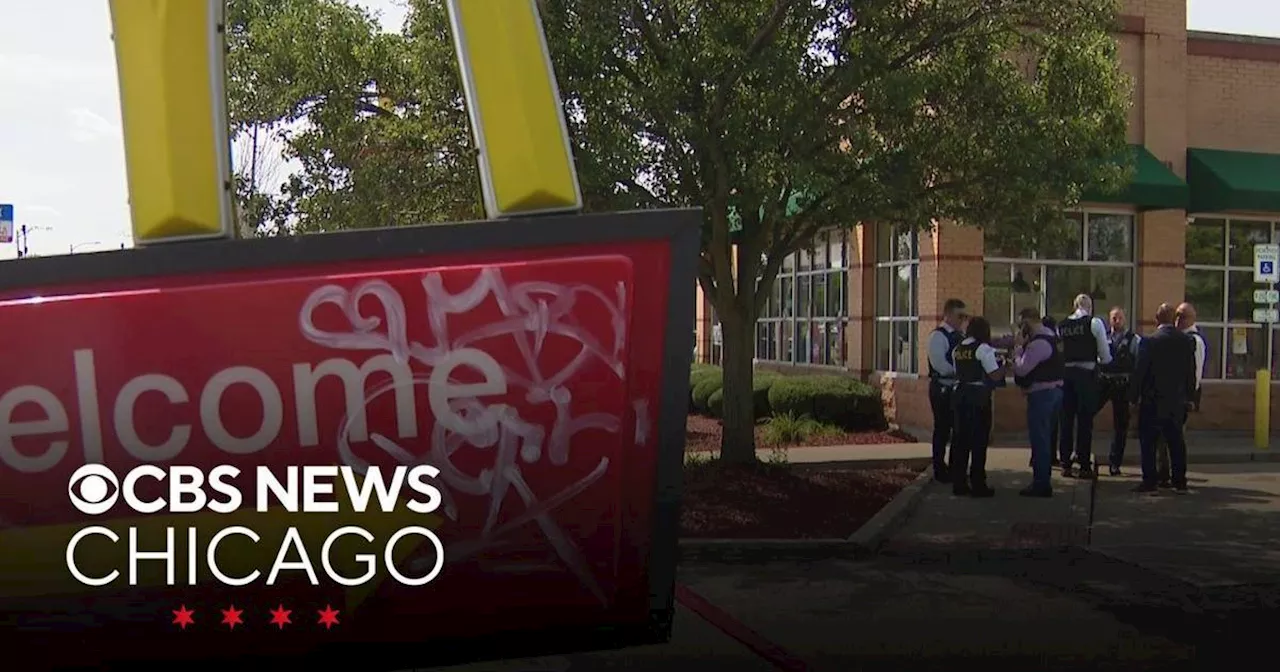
(1200, 353)
(1099, 330)
(938, 348)
(987, 356)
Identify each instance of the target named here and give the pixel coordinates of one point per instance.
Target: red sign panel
(529, 382)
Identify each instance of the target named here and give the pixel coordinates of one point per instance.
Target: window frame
(888, 315)
(1226, 324)
(1083, 262)
(776, 326)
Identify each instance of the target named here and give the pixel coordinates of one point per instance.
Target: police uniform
(972, 397)
(1081, 395)
(941, 385)
(1115, 379)
(1040, 413)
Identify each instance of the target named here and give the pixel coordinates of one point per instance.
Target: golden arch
(174, 111)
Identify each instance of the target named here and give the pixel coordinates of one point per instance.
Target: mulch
(772, 501)
(703, 434)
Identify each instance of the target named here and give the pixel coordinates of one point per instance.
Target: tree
(375, 120)
(778, 117)
(875, 111)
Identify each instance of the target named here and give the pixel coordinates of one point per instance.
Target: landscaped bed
(702, 434)
(774, 500)
(791, 411)
(779, 501)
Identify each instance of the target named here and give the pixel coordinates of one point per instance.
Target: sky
(62, 153)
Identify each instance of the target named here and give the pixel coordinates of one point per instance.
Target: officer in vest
(977, 371)
(1115, 383)
(942, 382)
(1038, 370)
(1084, 347)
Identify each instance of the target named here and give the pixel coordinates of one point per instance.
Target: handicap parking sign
(1265, 258)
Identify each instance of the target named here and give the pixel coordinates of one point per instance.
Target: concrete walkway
(1004, 521)
(1096, 577)
(1225, 532)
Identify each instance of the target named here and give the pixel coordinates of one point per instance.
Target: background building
(1205, 131)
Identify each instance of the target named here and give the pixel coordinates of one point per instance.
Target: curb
(874, 532)
(866, 541)
(753, 551)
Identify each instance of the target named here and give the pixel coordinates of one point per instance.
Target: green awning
(1153, 187)
(1225, 181)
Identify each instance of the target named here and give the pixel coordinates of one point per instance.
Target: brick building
(1205, 127)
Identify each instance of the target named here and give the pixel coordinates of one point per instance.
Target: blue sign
(6, 223)
(1265, 267)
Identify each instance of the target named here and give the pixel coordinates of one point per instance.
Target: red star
(280, 616)
(328, 617)
(184, 617)
(231, 617)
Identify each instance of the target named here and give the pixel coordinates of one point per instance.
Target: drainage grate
(1047, 534)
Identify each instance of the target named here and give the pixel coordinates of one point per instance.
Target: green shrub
(705, 387)
(789, 429)
(760, 384)
(699, 374)
(836, 400)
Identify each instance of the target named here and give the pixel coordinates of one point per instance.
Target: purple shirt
(1028, 357)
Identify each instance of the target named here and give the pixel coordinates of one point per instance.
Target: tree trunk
(738, 440)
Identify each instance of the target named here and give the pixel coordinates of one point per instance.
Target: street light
(24, 235)
(73, 247)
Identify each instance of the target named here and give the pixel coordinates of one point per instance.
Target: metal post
(1262, 409)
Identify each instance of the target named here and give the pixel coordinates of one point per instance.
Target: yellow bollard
(517, 118)
(170, 58)
(1262, 410)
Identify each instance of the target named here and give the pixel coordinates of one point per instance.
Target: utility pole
(24, 236)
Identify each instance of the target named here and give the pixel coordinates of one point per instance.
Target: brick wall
(860, 332)
(1232, 103)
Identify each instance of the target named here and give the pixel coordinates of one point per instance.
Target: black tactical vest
(1048, 370)
(1078, 344)
(968, 366)
(1122, 360)
(953, 339)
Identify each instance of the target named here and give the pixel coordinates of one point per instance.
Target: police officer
(1038, 369)
(1085, 346)
(977, 371)
(1185, 321)
(1115, 383)
(942, 382)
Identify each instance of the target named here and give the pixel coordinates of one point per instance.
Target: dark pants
(1042, 407)
(1162, 454)
(943, 424)
(972, 435)
(1080, 402)
(1117, 394)
(1152, 427)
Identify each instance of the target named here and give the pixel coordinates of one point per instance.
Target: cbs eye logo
(93, 489)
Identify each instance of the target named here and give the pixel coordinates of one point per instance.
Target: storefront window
(1220, 285)
(897, 299)
(1092, 253)
(803, 321)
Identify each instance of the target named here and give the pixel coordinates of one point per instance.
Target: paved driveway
(1226, 532)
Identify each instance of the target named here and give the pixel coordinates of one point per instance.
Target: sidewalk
(1004, 521)
(1226, 532)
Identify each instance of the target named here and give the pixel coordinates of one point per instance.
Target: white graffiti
(531, 312)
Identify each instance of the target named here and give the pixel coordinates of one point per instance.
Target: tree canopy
(778, 117)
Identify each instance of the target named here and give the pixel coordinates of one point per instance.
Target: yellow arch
(170, 57)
